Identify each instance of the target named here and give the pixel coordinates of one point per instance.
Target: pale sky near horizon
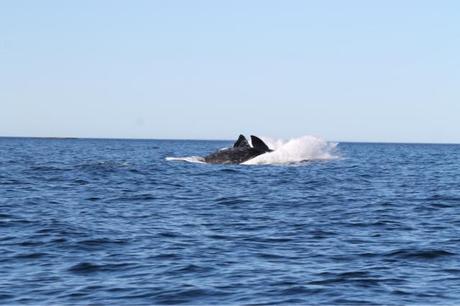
(343, 70)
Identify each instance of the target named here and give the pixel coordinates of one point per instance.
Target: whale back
(239, 153)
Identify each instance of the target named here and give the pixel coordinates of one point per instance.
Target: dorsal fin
(242, 142)
(259, 145)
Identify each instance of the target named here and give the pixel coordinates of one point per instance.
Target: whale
(241, 151)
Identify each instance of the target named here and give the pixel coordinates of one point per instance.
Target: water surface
(113, 222)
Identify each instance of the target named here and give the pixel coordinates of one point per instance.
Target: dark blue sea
(112, 222)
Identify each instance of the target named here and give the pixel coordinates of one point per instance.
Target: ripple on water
(30, 256)
(230, 201)
(136, 197)
(362, 278)
(88, 267)
(189, 295)
(421, 254)
(101, 243)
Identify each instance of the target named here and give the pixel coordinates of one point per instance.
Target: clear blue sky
(344, 70)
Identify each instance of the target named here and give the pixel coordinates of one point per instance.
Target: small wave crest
(295, 150)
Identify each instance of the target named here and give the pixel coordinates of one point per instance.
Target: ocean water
(115, 222)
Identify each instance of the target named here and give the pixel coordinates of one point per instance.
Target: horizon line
(214, 139)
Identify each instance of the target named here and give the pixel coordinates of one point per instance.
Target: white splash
(295, 150)
(190, 159)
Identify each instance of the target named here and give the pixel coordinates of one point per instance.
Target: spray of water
(295, 150)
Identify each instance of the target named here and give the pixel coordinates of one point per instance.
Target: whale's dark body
(240, 152)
